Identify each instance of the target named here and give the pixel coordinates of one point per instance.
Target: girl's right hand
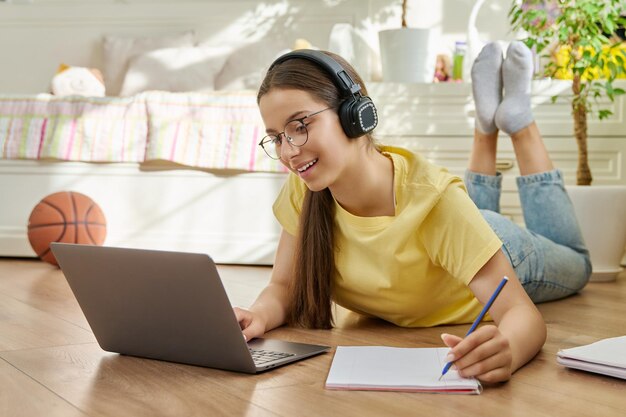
(252, 325)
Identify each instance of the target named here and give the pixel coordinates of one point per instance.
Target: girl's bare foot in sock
(514, 113)
(487, 86)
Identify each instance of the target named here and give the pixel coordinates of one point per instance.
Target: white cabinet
(437, 120)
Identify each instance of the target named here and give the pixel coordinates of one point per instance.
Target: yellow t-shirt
(413, 268)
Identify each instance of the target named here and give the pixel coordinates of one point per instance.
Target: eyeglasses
(295, 132)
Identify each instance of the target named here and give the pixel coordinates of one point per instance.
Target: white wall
(36, 36)
(449, 18)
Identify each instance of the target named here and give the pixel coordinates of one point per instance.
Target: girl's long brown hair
(311, 290)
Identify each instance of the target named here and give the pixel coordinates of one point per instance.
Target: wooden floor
(50, 364)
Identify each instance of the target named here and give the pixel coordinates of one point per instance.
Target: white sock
(487, 86)
(514, 113)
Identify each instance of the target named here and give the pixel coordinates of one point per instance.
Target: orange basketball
(68, 217)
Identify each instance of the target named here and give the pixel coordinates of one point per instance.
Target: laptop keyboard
(261, 356)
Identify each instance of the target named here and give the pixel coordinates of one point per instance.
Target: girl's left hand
(484, 354)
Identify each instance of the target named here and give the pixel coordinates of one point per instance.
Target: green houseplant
(579, 33)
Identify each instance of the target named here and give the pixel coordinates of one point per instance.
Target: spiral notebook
(382, 368)
(607, 357)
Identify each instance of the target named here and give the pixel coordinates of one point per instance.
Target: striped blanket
(218, 130)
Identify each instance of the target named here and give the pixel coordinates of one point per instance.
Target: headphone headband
(340, 76)
(357, 114)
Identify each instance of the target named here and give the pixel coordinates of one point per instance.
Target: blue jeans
(549, 255)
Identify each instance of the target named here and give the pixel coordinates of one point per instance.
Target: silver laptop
(169, 306)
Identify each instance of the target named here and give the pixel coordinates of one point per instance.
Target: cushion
(354, 47)
(246, 66)
(174, 69)
(119, 50)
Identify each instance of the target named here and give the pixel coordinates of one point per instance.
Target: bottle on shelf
(457, 60)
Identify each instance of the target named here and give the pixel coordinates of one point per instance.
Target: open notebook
(607, 356)
(381, 368)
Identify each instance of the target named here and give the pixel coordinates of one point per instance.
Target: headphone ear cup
(346, 120)
(358, 116)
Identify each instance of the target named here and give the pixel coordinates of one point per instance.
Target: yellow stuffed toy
(302, 44)
(78, 81)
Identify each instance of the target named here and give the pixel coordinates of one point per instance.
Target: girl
(383, 232)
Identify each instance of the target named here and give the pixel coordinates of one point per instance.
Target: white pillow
(119, 50)
(246, 66)
(345, 41)
(174, 69)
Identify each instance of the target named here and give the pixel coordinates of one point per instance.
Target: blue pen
(479, 318)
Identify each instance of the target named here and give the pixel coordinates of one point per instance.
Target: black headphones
(357, 113)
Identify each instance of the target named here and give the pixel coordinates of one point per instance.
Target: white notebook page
(380, 367)
(611, 352)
